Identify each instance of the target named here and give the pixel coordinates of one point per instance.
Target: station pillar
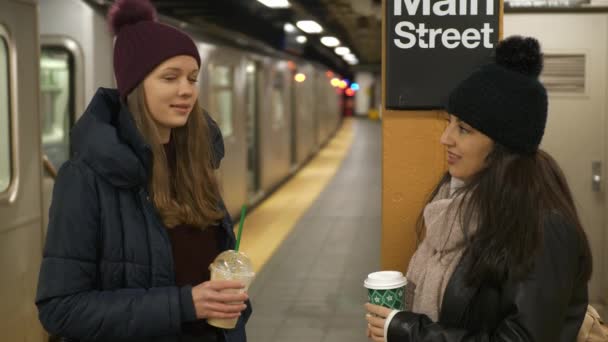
(413, 159)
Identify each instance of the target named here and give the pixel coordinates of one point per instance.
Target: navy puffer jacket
(107, 272)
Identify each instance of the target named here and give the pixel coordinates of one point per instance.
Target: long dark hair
(508, 201)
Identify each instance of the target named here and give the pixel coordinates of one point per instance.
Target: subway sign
(432, 45)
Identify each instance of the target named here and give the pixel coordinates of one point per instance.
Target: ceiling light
(300, 77)
(289, 28)
(309, 26)
(301, 39)
(330, 41)
(342, 50)
(275, 3)
(350, 59)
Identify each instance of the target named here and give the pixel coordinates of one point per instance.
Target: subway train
(53, 57)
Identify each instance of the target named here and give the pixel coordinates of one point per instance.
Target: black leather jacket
(548, 306)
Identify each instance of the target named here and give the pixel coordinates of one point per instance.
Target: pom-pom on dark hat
(142, 43)
(505, 100)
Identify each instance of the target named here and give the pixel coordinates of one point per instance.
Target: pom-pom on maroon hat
(142, 43)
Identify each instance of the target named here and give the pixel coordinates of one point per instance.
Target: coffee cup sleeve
(388, 322)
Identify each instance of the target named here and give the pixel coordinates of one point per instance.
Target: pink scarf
(439, 253)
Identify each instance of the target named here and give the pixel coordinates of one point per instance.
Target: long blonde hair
(190, 195)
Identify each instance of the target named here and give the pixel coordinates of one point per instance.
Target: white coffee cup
(386, 288)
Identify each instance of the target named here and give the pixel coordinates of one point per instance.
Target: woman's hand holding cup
(386, 292)
(219, 299)
(376, 319)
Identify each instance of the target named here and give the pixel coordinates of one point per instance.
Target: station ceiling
(356, 23)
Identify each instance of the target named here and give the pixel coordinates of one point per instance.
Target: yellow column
(413, 161)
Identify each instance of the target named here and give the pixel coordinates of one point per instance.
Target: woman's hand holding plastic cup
(230, 267)
(211, 300)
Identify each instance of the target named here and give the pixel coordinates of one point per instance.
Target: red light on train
(329, 74)
(350, 92)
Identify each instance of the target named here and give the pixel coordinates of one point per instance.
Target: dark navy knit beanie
(505, 100)
(142, 43)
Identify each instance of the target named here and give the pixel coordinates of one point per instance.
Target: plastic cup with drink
(232, 265)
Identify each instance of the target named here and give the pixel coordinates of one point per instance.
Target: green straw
(238, 237)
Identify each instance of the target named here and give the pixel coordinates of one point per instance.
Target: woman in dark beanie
(136, 216)
(504, 256)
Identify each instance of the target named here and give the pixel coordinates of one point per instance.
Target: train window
(56, 79)
(278, 104)
(221, 97)
(5, 136)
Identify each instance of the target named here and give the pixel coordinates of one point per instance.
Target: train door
(274, 124)
(225, 76)
(318, 108)
(252, 123)
(575, 77)
(304, 113)
(20, 172)
(280, 121)
(61, 91)
(296, 77)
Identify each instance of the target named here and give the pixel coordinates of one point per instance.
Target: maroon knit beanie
(142, 43)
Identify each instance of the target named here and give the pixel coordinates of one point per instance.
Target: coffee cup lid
(384, 280)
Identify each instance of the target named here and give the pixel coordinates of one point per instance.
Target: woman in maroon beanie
(504, 256)
(137, 216)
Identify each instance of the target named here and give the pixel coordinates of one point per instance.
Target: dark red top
(193, 250)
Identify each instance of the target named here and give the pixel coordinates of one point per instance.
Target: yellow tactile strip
(269, 224)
